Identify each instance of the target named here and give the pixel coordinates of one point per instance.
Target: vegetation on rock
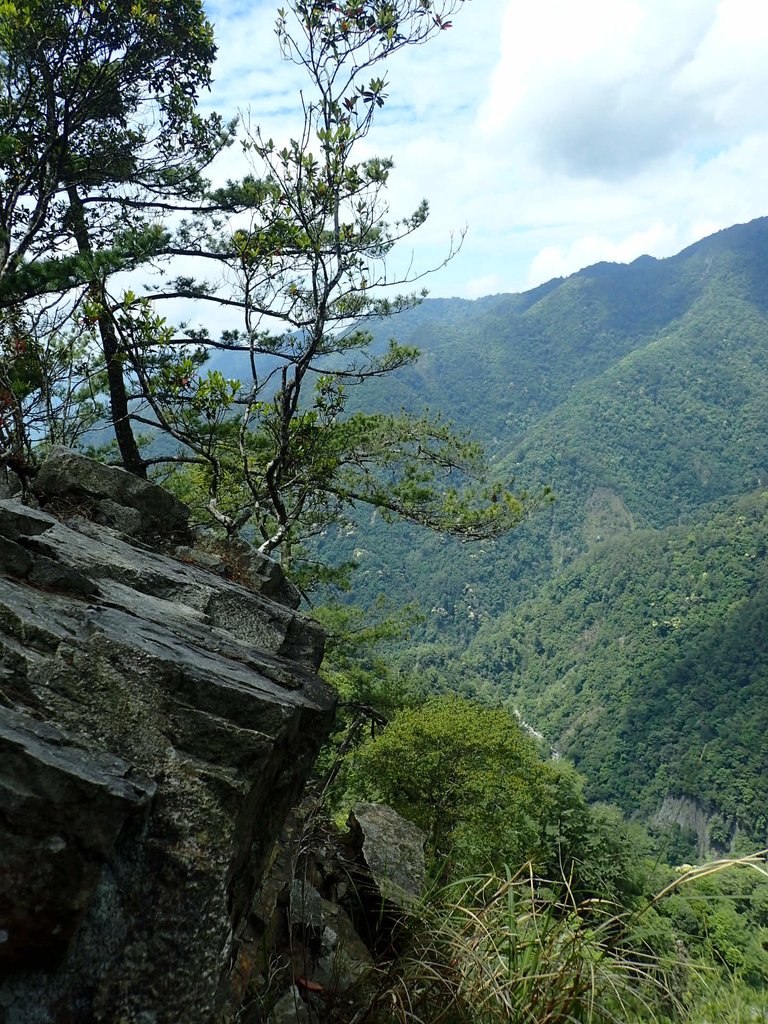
(106, 154)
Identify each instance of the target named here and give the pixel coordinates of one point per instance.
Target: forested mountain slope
(502, 363)
(629, 619)
(639, 393)
(645, 662)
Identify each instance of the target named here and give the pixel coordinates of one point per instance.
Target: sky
(558, 133)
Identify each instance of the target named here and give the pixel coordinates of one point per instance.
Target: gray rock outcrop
(332, 904)
(157, 722)
(391, 849)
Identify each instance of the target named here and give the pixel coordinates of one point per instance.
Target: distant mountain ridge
(639, 393)
(648, 381)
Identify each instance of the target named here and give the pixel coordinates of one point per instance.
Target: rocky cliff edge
(157, 721)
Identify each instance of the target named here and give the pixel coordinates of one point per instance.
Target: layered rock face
(157, 721)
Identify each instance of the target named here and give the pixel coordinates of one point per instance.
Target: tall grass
(518, 950)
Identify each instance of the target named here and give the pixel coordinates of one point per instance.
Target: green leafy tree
(50, 391)
(478, 784)
(99, 137)
(720, 916)
(472, 779)
(102, 141)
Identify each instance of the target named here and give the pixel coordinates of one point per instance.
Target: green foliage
(103, 142)
(515, 947)
(638, 393)
(589, 929)
(100, 138)
(353, 662)
(370, 690)
(49, 391)
(478, 785)
(311, 278)
(734, 1002)
(458, 770)
(74, 77)
(643, 658)
(722, 917)
(645, 663)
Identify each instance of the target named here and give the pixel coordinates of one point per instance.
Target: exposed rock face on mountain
(157, 721)
(689, 815)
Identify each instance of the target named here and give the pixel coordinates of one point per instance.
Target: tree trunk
(118, 398)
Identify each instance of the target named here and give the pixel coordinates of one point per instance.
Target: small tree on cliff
(101, 138)
(281, 449)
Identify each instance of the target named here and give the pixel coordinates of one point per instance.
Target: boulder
(69, 806)
(305, 909)
(10, 483)
(330, 903)
(241, 561)
(391, 851)
(289, 1009)
(157, 722)
(344, 958)
(67, 480)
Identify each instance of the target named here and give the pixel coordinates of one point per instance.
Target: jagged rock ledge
(157, 722)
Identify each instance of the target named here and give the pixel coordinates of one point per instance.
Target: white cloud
(597, 89)
(477, 287)
(561, 133)
(559, 261)
(618, 127)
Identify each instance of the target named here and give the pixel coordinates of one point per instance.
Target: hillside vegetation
(645, 661)
(628, 620)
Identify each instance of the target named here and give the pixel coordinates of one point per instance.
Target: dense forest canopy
(627, 621)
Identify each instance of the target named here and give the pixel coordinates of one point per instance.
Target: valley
(627, 620)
